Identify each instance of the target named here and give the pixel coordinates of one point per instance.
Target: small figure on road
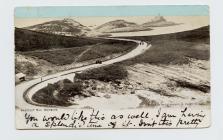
(98, 62)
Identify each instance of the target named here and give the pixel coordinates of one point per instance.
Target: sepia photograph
(112, 67)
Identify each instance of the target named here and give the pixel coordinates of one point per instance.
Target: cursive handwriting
(90, 118)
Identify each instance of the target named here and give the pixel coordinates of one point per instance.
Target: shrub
(26, 67)
(31, 69)
(185, 84)
(67, 81)
(71, 89)
(106, 74)
(64, 91)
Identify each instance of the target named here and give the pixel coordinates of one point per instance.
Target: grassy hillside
(69, 55)
(26, 40)
(106, 49)
(62, 50)
(201, 35)
(176, 48)
(57, 56)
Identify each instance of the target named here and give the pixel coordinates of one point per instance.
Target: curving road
(26, 90)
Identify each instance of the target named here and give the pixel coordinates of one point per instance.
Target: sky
(149, 10)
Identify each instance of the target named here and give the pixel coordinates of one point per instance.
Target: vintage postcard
(112, 67)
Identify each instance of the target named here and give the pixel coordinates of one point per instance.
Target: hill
(176, 48)
(68, 27)
(201, 35)
(159, 21)
(120, 26)
(107, 27)
(26, 40)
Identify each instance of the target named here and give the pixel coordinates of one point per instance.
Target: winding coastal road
(26, 90)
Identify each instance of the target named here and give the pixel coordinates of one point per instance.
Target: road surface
(26, 90)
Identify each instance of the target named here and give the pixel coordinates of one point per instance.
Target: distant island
(159, 21)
